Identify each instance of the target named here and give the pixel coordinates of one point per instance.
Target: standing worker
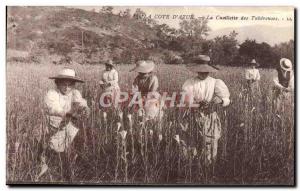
(146, 83)
(253, 77)
(208, 92)
(110, 82)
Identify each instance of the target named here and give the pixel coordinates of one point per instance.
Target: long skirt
(57, 150)
(253, 88)
(210, 127)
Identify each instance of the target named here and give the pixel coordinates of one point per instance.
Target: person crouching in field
(63, 104)
(283, 85)
(208, 92)
(146, 83)
(253, 77)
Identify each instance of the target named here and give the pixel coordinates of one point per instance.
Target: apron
(210, 128)
(63, 138)
(60, 136)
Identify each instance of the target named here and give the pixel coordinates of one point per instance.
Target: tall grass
(256, 146)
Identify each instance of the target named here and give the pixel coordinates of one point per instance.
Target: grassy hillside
(77, 33)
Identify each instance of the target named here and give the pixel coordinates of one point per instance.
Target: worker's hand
(286, 89)
(86, 111)
(204, 104)
(217, 100)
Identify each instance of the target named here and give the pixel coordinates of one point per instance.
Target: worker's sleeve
(135, 86)
(115, 80)
(222, 92)
(153, 87)
(277, 84)
(258, 75)
(291, 84)
(77, 98)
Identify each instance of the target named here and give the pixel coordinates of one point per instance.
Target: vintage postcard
(150, 95)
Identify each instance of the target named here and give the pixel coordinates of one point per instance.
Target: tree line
(125, 37)
(191, 39)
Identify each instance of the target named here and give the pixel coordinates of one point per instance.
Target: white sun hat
(67, 73)
(286, 64)
(144, 66)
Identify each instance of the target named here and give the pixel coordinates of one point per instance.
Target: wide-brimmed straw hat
(144, 66)
(200, 64)
(110, 63)
(67, 73)
(201, 58)
(286, 64)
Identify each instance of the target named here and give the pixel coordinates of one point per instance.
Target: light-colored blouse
(252, 74)
(207, 90)
(58, 104)
(112, 78)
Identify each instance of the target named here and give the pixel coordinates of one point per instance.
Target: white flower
(240, 95)
(118, 126)
(184, 128)
(242, 125)
(104, 115)
(129, 116)
(194, 151)
(123, 134)
(176, 137)
(121, 115)
(44, 169)
(160, 137)
(151, 132)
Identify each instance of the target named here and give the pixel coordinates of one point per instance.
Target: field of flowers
(256, 147)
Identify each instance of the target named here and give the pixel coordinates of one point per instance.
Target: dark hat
(110, 63)
(254, 63)
(200, 64)
(194, 67)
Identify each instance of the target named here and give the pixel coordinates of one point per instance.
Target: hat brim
(107, 64)
(62, 77)
(142, 69)
(284, 68)
(201, 68)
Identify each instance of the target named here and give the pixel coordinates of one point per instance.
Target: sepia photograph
(150, 95)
